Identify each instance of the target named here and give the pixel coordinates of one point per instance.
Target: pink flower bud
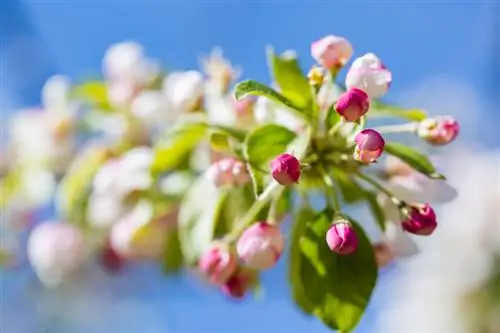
(285, 169)
(331, 51)
(218, 265)
(228, 171)
(239, 284)
(261, 245)
(369, 146)
(342, 238)
(110, 260)
(439, 131)
(420, 220)
(353, 104)
(369, 74)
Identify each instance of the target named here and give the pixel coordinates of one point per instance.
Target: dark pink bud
(285, 169)
(239, 284)
(420, 220)
(111, 261)
(218, 265)
(439, 131)
(342, 238)
(353, 104)
(369, 146)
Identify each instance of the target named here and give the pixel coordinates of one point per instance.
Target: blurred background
(443, 56)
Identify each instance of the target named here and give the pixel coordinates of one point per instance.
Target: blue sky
(434, 49)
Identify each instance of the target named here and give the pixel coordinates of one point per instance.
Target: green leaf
(286, 72)
(176, 146)
(332, 118)
(250, 87)
(199, 214)
(219, 141)
(93, 92)
(378, 109)
(413, 158)
(172, 257)
(351, 190)
(9, 186)
(303, 217)
(377, 211)
(338, 288)
(261, 146)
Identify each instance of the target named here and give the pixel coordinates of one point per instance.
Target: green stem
(379, 187)
(257, 206)
(331, 191)
(336, 127)
(409, 127)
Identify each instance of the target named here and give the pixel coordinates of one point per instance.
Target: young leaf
(378, 109)
(413, 158)
(337, 287)
(178, 143)
(250, 87)
(199, 214)
(332, 118)
(219, 141)
(376, 210)
(172, 256)
(93, 92)
(295, 268)
(286, 72)
(261, 146)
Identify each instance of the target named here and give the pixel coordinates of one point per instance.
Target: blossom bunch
(188, 169)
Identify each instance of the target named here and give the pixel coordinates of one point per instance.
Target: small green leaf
(338, 288)
(413, 158)
(375, 209)
(250, 87)
(378, 109)
(176, 146)
(261, 146)
(219, 141)
(9, 186)
(332, 118)
(200, 212)
(172, 257)
(94, 93)
(286, 72)
(303, 217)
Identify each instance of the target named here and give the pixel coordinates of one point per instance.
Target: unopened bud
(341, 238)
(285, 169)
(419, 220)
(261, 245)
(218, 264)
(228, 171)
(369, 74)
(239, 283)
(369, 146)
(353, 104)
(331, 51)
(439, 131)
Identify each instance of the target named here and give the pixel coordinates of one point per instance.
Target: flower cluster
(185, 169)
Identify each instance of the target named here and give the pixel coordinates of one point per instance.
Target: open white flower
(184, 90)
(56, 251)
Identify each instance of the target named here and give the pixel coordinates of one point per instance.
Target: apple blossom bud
(239, 283)
(370, 75)
(341, 238)
(111, 261)
(369, 146)
(261, 245)
(420, 220)
(56, 251)
(331, 51)
(439, 131)
(218, 264)
(285, 169)
(228, 171)
(353, 104)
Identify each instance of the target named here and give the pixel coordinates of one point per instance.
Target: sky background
(442, 55)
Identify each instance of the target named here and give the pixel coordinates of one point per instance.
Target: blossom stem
(409, 127)
(257, 206)
(336, 127)
(331, 190)
(378, 186)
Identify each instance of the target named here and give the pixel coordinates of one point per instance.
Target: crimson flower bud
(353, 104)
(239, 283)
(369, 146)
(341, 238)
(218, 264)
(111, 261)
(438, 131)
(285, 169)
(420, 220)
(260, 246)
